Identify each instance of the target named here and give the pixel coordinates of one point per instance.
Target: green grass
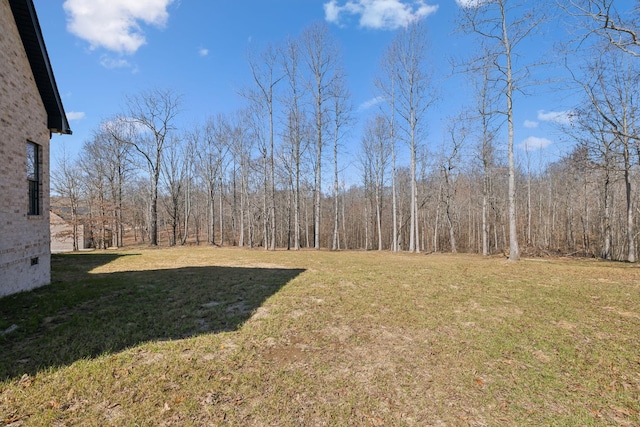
(203, 336)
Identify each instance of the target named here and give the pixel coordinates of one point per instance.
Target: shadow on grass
(83, 315)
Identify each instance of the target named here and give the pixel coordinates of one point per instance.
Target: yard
(209, 336)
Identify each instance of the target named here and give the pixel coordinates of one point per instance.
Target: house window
(33, 177)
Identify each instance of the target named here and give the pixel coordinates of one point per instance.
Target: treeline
(272, 174)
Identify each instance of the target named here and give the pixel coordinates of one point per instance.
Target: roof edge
(30, 31)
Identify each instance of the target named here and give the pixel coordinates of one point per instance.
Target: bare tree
(212, 146)
(322, 60)
(612, 91)
(151, 115)
(386, 85)
(593, 135)
(295, 128)
(450, 161)
(95, 173)
(603, 19)
(173, 171)
(266, 75)
(241, 148)
(407, 83)
(341, 112)
(485, 112)
(376, 147)
(502, 25)
(190, 147)
(115, 156)
(66, 181)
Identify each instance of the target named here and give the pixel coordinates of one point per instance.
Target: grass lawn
(206, 336)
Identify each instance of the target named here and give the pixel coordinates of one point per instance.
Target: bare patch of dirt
(282, 356)
(622, 313)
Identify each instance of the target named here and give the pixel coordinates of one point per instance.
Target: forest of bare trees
(270, 176)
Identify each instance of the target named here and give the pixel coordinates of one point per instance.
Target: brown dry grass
(202, 336)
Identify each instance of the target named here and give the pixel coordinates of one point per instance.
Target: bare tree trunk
(379, 216)
(344, 224)
(514, 251)
(187, 211)
(265, 211)
(336, 194)
(485, 227)
(631, 252)
(394, 197)
(243, 202)
(212, 216)
(221, 210)
(606, 221)
(296, 208)
(366, 227)
(414, 235)
(436, 224)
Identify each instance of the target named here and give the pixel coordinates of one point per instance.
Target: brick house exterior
(30, 110)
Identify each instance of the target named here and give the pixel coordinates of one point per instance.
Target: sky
(103, 50)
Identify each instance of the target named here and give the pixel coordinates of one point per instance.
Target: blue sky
(103, 50)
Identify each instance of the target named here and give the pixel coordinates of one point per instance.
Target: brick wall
(23, 118)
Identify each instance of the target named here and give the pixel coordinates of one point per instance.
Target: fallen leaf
(14, 419)
(25, 381)
(479, 381)
(54, 404)
(623, 411)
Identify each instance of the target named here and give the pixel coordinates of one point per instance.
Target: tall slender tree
(266, 75)
(295, 128)
(341, 118)
(323, 63)
(407, 81)
(376, 148)
(502, 25)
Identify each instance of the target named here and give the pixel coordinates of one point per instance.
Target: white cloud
(370, 103)
(534, 143)
(380, 14)
(470, 4)
(332, 11)
(109, 62)
(114, 24)
(203, 51)
(530, 124)
(75, 115)
(559, 117)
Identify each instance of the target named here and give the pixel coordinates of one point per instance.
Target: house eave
(28, 25)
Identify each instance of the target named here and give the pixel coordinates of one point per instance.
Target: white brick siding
(22, 118)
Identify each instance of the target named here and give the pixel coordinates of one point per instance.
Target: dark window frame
(34, 178)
